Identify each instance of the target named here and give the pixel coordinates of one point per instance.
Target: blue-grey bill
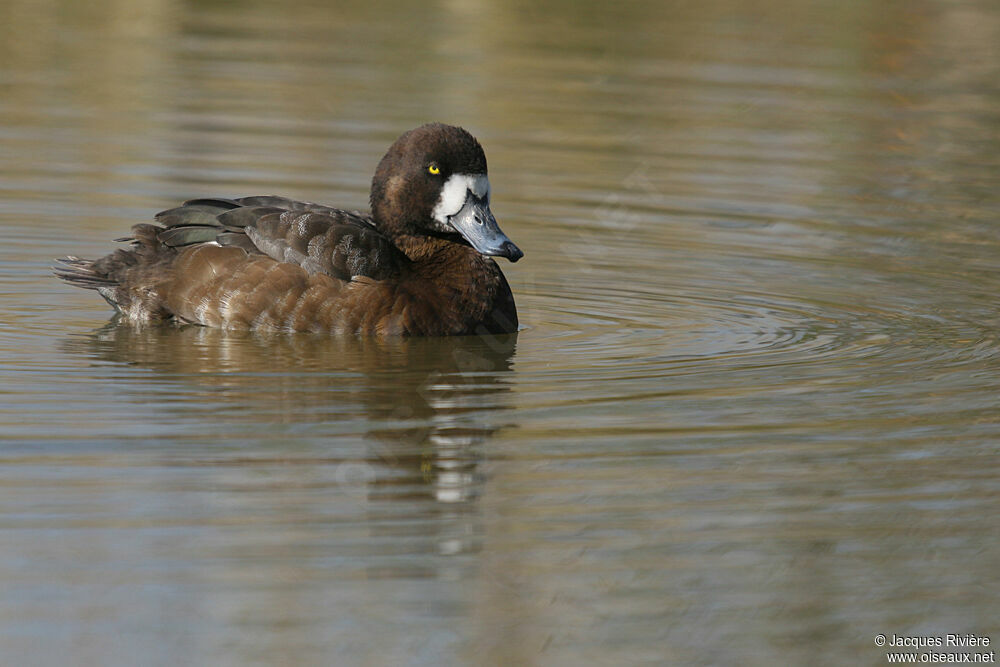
(476, 223)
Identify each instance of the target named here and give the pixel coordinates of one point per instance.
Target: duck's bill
(475, 222)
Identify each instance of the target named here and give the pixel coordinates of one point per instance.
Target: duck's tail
(127, 277)
(81, 273)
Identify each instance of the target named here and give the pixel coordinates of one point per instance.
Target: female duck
(419, 265)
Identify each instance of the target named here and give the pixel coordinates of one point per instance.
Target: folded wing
(320, 239)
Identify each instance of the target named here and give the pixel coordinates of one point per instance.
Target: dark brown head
(433, 182)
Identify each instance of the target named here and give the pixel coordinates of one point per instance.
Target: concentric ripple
(802, 324)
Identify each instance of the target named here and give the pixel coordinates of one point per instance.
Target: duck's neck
(440, 256)
(473, 288)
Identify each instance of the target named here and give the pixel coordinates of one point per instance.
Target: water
(751, 417)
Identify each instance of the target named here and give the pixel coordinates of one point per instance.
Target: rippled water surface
(752, 416)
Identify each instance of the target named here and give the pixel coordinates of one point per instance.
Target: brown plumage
(417, 265)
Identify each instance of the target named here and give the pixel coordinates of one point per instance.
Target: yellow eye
(434, 169)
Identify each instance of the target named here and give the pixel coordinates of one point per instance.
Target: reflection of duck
(428, 403)
(418, 265)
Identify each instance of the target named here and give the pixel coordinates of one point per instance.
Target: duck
(421, 263)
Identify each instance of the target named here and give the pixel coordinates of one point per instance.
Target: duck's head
(433, 182)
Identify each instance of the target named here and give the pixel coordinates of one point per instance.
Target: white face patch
(453, 195)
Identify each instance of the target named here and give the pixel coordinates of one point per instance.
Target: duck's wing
(320, 239)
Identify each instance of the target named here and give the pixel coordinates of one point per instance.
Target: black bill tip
(510, 251)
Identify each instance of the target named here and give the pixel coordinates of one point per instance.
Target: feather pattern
(320, 239)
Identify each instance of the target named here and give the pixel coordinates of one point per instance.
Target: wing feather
(320, 239)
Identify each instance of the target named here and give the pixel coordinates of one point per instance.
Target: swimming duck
(418, 265)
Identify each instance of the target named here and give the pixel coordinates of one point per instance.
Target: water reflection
(427, 405)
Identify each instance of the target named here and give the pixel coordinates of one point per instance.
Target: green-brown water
(752, 417)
